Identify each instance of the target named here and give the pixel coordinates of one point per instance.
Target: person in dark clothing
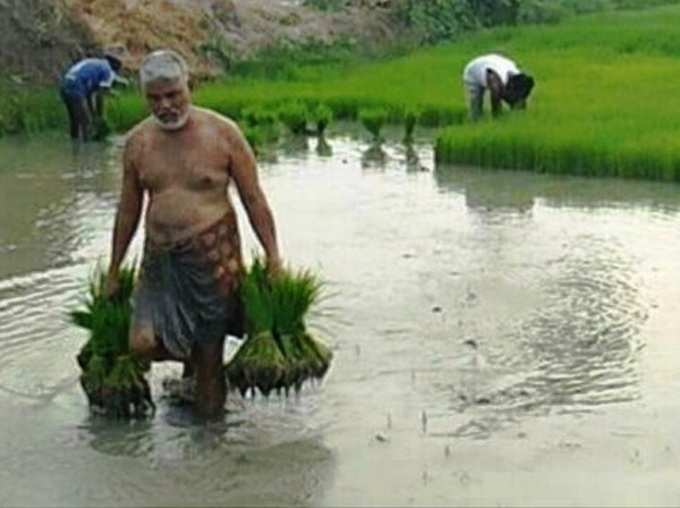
(82, 88)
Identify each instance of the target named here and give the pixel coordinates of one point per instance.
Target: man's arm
(121, 80)
(127, 216)
(243, 170)
(496, 87)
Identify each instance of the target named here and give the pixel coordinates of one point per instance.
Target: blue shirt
(88, 76)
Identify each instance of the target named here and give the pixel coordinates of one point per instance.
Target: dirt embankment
(39, 38)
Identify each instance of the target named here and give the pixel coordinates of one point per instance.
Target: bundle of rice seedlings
(278, 353)
(112, 379)
(411, 118)
(373, 119)
(295, 116)
(322, 116)
(258, 363)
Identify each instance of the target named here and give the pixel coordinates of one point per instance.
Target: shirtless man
(502, 78)
(183, 158)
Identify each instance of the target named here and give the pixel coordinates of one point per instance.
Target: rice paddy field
(499, 338)
(605, 104)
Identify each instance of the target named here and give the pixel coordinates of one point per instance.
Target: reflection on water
(323, 147)
(51, 197)
(467, 301)
(294, 145)
(374, 156)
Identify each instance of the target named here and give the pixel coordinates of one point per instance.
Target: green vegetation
(605, 102)
(295, 116)
(28, 109)
(112, 378)
(411, 118)
(260, 127)
(373, 119)
(322, 116)
(278, 353)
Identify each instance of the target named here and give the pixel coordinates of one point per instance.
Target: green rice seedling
(580, 118)
(322, 116)
(256, 137)
(260, 362)
(295, 116)
(411, 117)
(275, 355)
(261, 125)
(311, 362)
(263, 116)
(373, 120)
(113, 381)
(297, 369)
(126, 392)
(293, 293)
(323, 354)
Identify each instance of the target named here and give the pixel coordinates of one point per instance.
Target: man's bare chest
(193, 170)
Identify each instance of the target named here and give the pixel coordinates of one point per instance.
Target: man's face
(169, 102)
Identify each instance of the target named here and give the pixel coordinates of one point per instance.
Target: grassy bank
(28, 109)
(606, 100)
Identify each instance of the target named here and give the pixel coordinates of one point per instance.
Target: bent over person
(81, 90)
(504, 80)
(183, 158)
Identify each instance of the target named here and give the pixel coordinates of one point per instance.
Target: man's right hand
(112, 286)
(274, 266)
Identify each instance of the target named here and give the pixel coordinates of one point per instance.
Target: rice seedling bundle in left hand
(112, 378)
(279, 352)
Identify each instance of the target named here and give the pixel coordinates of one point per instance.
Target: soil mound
(39, 38)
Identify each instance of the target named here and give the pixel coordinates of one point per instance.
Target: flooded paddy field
(500, 338)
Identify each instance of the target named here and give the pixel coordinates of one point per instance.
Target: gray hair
(163, 65)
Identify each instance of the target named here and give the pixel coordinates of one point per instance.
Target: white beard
(173, 126)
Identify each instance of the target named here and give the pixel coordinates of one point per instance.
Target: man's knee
(475, 97)
(143, 342)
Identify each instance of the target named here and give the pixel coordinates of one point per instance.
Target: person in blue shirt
(82, 88)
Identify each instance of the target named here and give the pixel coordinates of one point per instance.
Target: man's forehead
(165, 85)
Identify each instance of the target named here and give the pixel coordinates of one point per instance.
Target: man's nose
(165, 103)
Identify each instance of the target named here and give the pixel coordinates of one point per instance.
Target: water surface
(500, 338)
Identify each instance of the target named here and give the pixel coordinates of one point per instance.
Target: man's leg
(210, 383)
(99, 105)
(83, 117)
(72, 118)
(496, 105)
(146, 345)
(97, 109)
(475, 95)
(496, 91)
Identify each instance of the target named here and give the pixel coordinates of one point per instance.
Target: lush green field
(606, 100)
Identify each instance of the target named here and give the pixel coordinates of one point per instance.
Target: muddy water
(501, 338)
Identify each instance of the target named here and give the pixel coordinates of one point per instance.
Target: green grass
(27, 109)
(606, 102)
